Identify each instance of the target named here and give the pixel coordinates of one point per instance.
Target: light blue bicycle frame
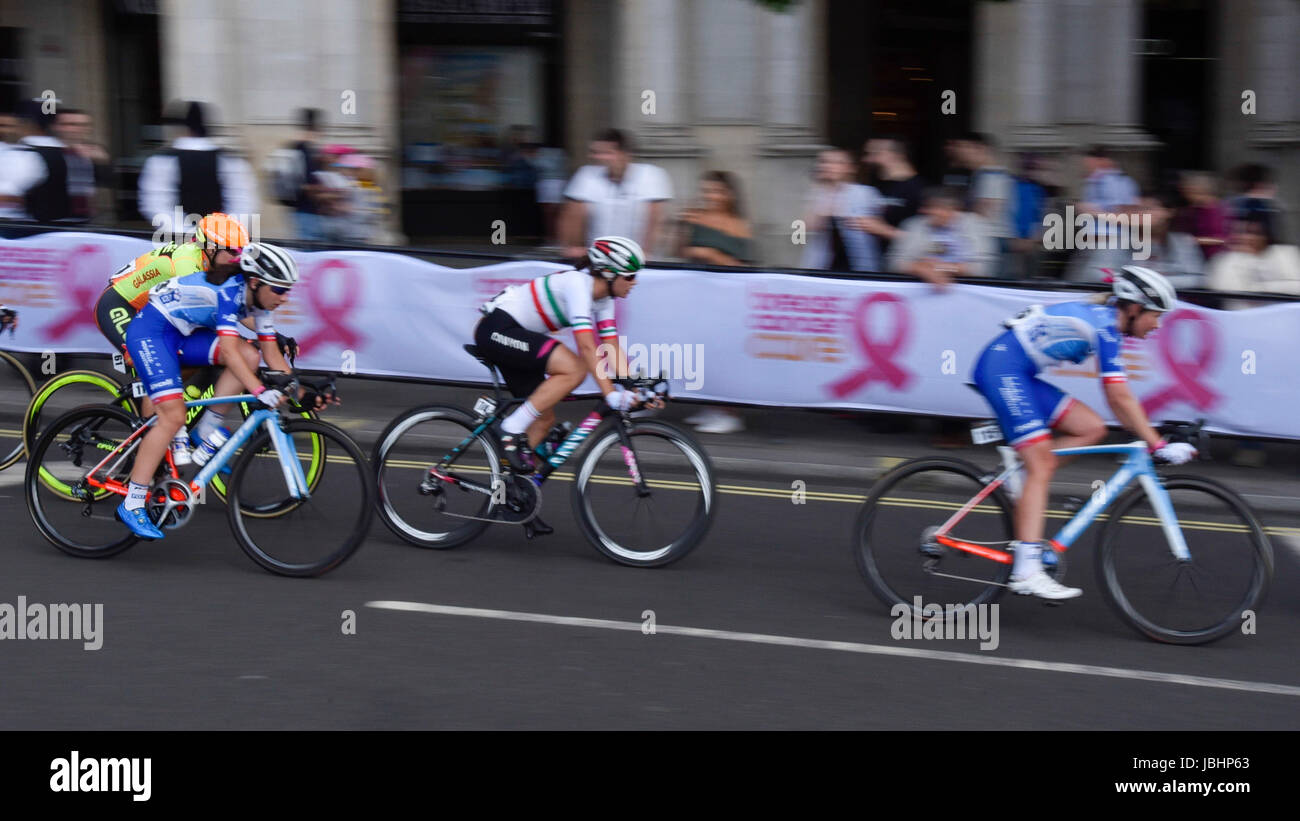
(283, 443)
(1137, 464)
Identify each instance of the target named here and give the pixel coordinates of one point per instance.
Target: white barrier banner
(773, 339)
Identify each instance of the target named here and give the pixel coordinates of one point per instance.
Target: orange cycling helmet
(221, 231)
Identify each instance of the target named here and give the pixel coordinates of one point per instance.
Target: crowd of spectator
(53, 171)
(983, 216)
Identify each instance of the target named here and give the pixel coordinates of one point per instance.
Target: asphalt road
(786, 634)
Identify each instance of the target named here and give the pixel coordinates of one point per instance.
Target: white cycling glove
(620, 399)
(271, 398)
(1179, 453)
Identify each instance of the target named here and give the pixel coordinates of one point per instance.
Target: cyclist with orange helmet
(218, 241)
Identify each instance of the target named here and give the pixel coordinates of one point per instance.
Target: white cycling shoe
(1044, 587)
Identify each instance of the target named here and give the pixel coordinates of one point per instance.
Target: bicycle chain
(537, 507)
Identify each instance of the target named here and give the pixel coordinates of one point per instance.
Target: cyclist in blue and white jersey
(192, 320)
(1029, 408)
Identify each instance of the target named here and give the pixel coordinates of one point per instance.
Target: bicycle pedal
(537, 528)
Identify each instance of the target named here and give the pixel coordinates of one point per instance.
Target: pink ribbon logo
(1188, 371)
(84, 277)
(333, 313)
(880, 355)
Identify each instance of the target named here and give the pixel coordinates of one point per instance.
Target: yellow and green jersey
(134, 279)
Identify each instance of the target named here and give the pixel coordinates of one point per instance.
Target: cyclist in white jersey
(514, 336)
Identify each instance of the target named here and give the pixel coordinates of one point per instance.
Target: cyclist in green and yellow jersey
(218, 241)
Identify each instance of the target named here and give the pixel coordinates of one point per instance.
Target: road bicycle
(312, 524)
(16, 389)
(643, 493)
(1180, 558)
(71, 389)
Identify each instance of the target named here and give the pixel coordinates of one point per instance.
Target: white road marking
(1262, 687)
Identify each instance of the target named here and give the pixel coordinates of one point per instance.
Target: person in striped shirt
(515, 335)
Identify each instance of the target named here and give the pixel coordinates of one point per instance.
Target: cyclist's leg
(203, 348)
(1079, 424)
(1024, 406)
(112, 316)
(525, 358)
(565, 373)
(154, 343)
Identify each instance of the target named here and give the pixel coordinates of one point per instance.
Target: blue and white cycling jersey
(1071, 332)
(191, 302)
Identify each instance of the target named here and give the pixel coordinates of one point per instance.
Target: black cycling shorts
(112, 314)
(520, 354)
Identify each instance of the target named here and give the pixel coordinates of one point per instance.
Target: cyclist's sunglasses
(628, 277)
(278, 290)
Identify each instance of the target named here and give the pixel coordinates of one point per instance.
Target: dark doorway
(889, 63)
(1178, 63)
(135, 89)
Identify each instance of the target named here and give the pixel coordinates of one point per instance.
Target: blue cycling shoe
(139, 522)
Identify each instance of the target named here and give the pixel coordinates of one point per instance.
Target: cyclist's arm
(272, 356)
(586, 341)
(232, 356)
(1128, 410)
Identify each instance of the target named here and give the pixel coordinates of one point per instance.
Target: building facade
(436, 88)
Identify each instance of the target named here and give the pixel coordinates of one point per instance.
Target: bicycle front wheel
(75, 517)
(270, 507)
(894, 537)
(435, 513)
(16, 388)
(646, 526)
(69, 390)
(1185, 602)
(320, 531)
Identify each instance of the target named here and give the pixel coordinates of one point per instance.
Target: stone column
(791, 133)
(259, 63)
(652, 92)
(1273, 69)
(1117, 68)
(1036, 78)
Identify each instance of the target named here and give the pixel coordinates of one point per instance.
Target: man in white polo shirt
(614, 196)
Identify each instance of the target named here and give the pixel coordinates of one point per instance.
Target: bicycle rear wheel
(433, 514)
(647, 528)
(77, 518)
(16, 389)
(319, 532)
(894, 544)
(1185, 602)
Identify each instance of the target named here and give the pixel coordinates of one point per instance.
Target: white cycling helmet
(269, 263)
(611, 256)
(1147, 288)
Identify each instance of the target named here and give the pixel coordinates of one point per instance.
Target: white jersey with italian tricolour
(556, 301)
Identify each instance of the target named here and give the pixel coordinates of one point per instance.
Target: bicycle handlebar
(1192, 433)
(289, 383)
(647, 388)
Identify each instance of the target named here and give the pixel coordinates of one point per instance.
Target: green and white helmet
(612, 256)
